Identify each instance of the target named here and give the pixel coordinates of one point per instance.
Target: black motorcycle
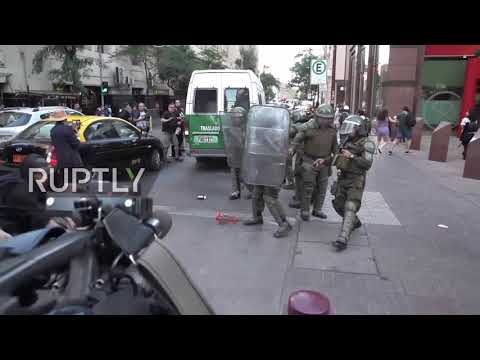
(115, 263)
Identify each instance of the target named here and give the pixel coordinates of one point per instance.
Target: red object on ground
(225, 219)
(308, 302)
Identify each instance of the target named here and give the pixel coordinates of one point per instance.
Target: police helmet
(352, 124)
(324, 111)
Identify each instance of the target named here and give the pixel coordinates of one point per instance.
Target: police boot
(257, 218)
(288, 186)
(305, 212)
(283, 229)
(235, 195)
(358, 223)
(347, 227)
(295, 202)
(319, 199)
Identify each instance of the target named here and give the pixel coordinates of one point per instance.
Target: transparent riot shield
(233, 127)
(266, 146)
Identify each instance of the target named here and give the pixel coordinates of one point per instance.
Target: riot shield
(266, 146)
(233, 127)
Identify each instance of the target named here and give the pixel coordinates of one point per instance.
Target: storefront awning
(50, 94)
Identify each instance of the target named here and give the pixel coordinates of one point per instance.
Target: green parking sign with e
(318, 72)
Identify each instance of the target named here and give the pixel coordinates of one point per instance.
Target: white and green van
(212, 93)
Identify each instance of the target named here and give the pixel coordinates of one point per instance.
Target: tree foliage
(269, 82)
(72, 66)
(213, 58)
(301, 71)
(175, 64)
(248, 59)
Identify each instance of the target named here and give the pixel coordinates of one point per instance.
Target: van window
(205, 101)
(236, 97)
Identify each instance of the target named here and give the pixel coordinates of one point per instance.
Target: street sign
(318, 73)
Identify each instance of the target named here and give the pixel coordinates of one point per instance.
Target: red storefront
(471, 86)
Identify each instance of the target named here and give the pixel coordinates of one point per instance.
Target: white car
(15, 120)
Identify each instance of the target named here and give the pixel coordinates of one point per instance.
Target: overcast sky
(280, 58)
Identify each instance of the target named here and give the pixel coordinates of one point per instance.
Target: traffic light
(104, 87)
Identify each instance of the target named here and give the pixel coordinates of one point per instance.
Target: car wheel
(154, 161)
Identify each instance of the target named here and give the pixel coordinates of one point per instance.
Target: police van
(211, 94)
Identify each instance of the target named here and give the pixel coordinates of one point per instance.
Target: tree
(301, 71)
(269, 82)
(140, 55)
(175, 64)
(70, 71)
(248, 59)
(213, 58)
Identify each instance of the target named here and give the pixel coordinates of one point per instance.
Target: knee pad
(351, 206)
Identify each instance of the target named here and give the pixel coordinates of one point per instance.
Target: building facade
(126, 81)
(439, 82)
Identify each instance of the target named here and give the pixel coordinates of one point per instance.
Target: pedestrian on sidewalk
(140, 118)
(382, 129)
(405, 123)
(169, 125)
(125, 113)
(465, 121)
(180, 130)
(469, 131)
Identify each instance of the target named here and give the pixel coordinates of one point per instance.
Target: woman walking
(382, 129)
(404, 129)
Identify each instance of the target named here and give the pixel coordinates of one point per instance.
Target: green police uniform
(268, 195)
(236, 149)
(319, 142)
(308, 123)
(348, 190)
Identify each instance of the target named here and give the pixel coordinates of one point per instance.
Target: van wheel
(154, 161)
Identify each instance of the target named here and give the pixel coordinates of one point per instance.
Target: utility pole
(372, 52)
(333, 90)
(100, 64)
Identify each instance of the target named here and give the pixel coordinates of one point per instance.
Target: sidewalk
(398, 262)
(418, 268)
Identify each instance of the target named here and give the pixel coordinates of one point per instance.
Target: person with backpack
(405, 123)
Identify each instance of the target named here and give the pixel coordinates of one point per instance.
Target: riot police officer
(234, 135)
(264, 163)
(297, 116)
(299, 122)
(319, 140)
(354, 159)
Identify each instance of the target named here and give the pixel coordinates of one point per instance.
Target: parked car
(14, 120)
(104, 142)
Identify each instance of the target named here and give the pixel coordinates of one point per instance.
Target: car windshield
(13, 118)
(38, 131)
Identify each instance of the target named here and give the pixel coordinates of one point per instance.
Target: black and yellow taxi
(105, 142)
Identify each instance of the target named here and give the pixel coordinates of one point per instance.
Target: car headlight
(186, 132)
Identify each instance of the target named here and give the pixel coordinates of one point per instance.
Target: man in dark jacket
(66, 143)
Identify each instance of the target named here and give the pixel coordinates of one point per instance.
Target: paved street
(399, 262)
